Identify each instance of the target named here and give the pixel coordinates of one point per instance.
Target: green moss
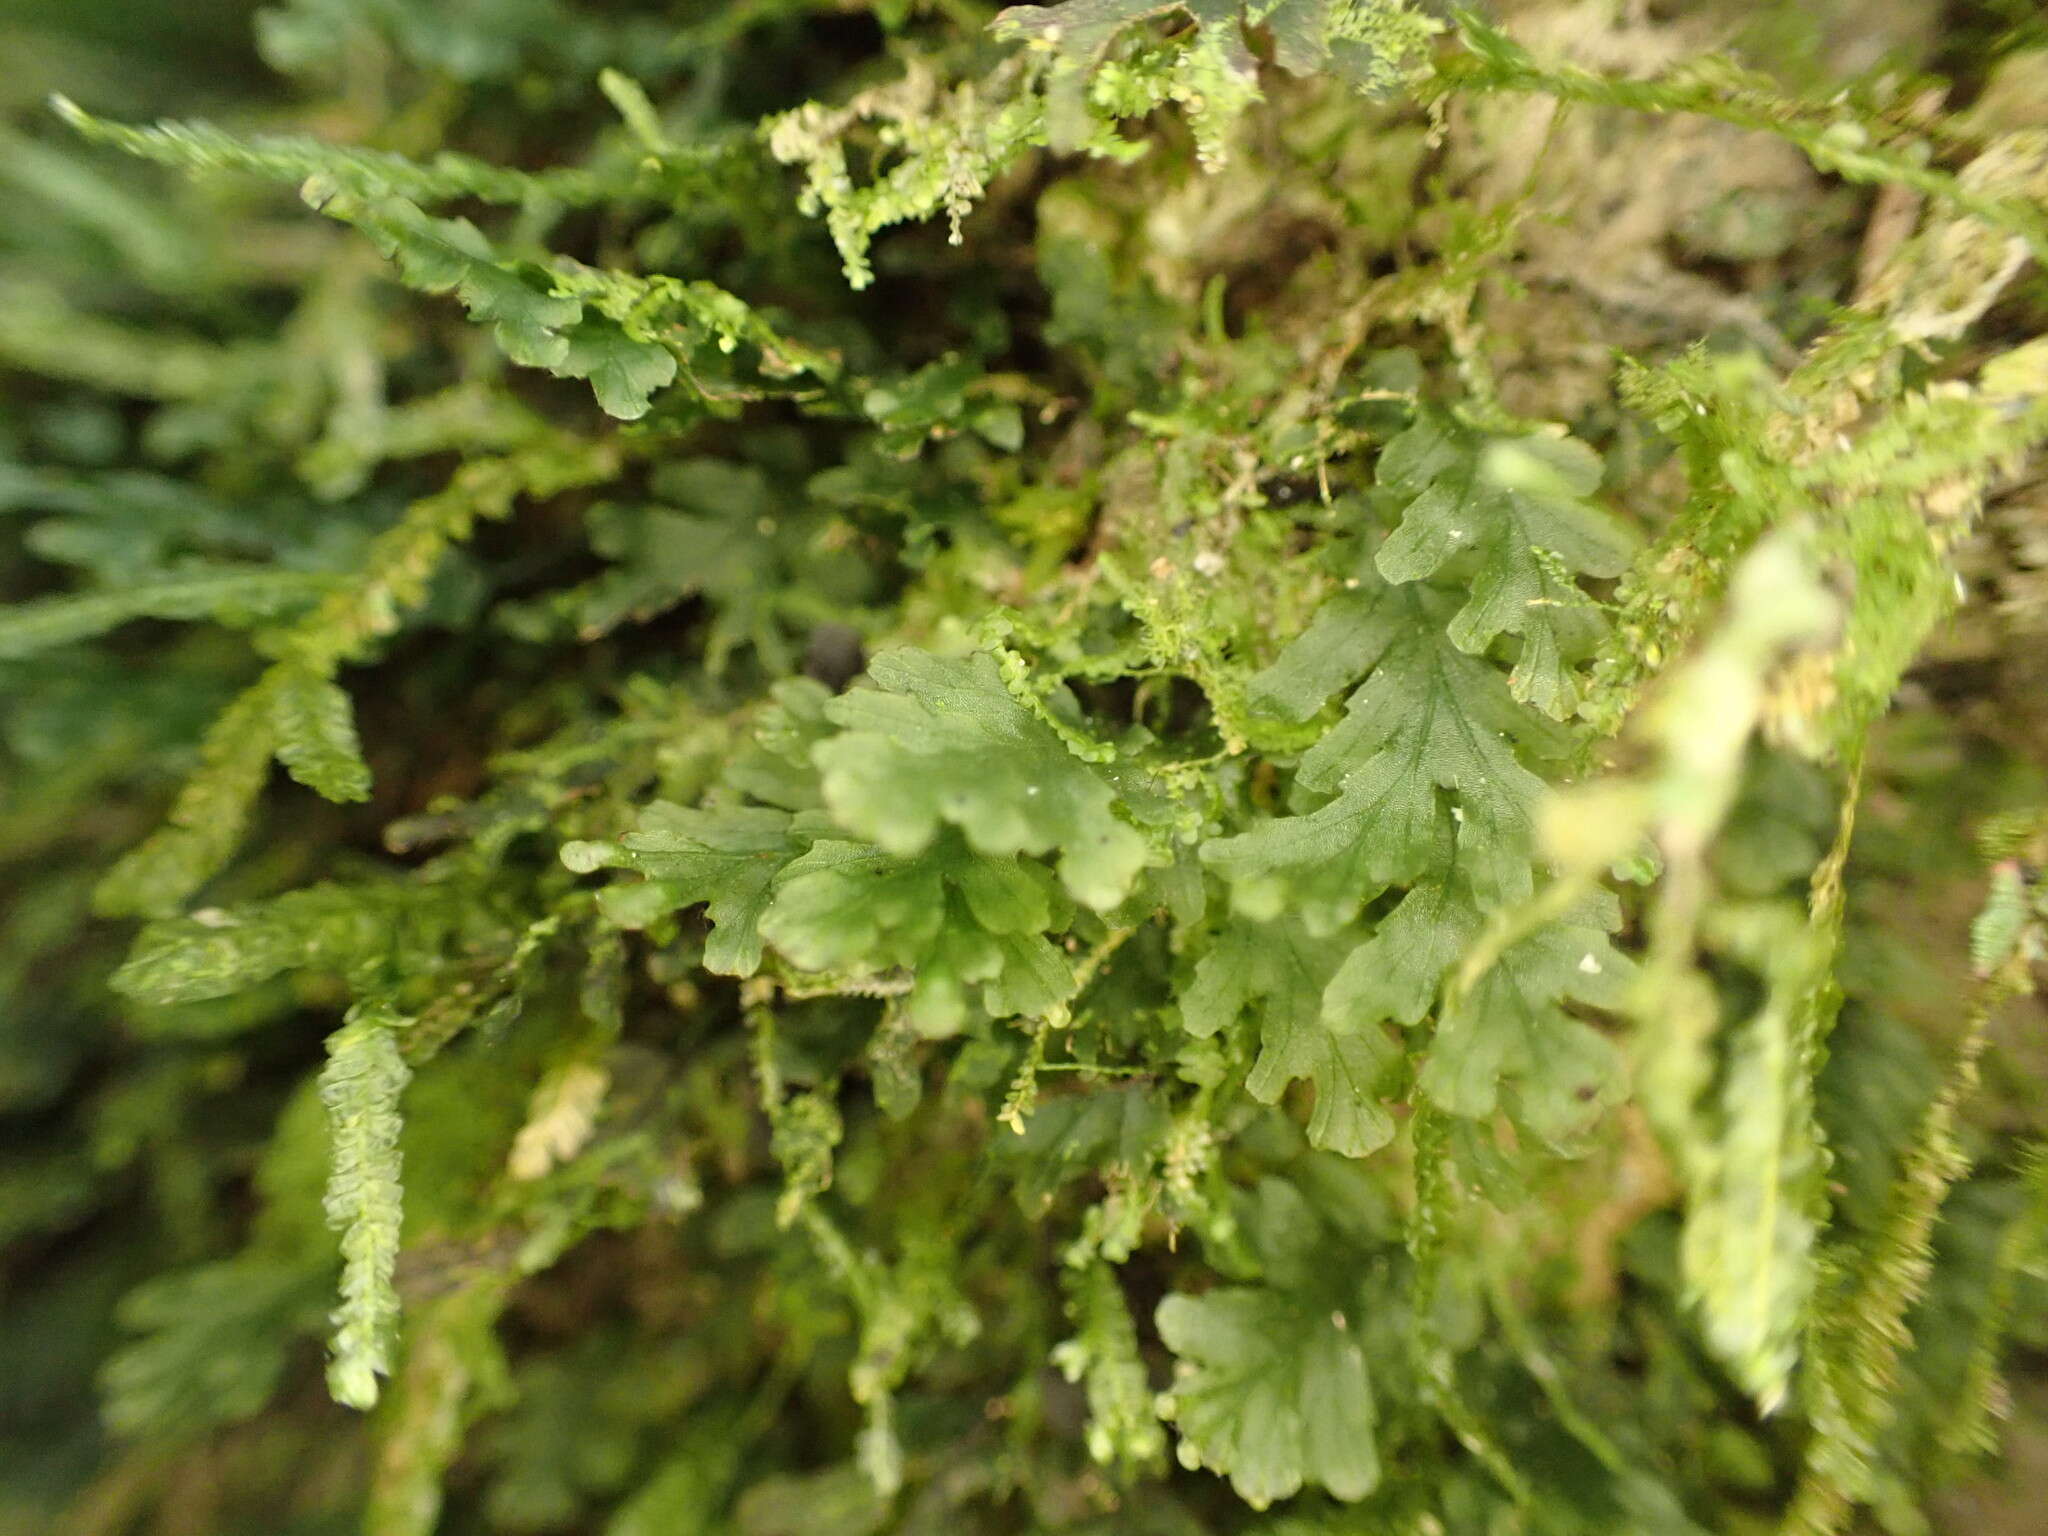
(1011, 741)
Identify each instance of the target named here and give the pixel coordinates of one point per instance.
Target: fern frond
(1103, 1355)
(212, 810)
(201, 147)
(221, 951)
(43, 333)
(1044, 798)
(1999, 926)
(316, 735)
(1972, 1430)
(1859, 1331)
(207, 820)
(1747, 1250)
(537, 321)
(228, 595)
(454, 1369)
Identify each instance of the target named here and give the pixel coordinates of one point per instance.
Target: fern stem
(1435, 1202)
(1837, 143)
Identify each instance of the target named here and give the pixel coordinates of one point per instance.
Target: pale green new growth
(360, 1087)
(1747, 1149)
(219, 951)
(948, 157)
(2002, 924)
